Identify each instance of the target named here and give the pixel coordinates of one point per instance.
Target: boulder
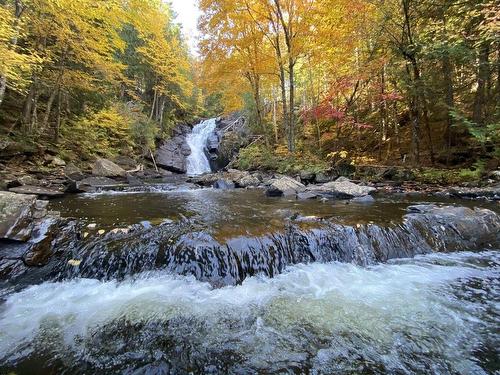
(307, 177)
(307, 195)
(248, 181)
(106, 168)
(284, 186)
(90, 184)
(38, 190)
(125, 162)
(172, 154)
(16, 215)
(74, 173)
(322, 178)
(224, 185)
(342, 188)
(57, 162)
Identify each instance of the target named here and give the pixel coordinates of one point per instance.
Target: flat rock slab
(342, 189)
(37, 190)
(284, 186)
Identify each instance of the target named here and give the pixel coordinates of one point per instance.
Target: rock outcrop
(342, 188)
(106, 168)
(172, 154)
(16, 215)
(284, 186)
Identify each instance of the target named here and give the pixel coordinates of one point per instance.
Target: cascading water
(197, 162)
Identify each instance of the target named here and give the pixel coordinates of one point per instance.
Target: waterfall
(197, 162)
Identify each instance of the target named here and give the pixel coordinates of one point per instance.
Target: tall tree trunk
(28, 107)
(450, 103)
(282, 85)
(46, 117)
(58, 119)
(291, 106)
(383, 114)
(18, 11)
(153, 106)
(478, 115)
(3, 87)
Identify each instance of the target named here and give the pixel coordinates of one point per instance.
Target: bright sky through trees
(187, 14)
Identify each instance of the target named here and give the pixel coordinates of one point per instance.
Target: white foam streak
(374, 302)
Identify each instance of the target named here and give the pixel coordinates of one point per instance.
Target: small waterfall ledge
(182, 248)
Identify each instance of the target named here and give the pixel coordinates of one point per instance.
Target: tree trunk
(383, 114)
(153, 106)
(450, 104)
(478, 115)
(58, 119)
(291, 107)
(46, 117)
(28, 107)
(18, 11)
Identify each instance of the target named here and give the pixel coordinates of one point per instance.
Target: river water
(432, 314)
(435, 314)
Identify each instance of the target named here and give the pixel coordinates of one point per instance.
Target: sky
(187, 14)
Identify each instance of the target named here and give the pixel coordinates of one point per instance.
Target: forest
(388, 82)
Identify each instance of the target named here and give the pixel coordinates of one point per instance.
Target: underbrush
(260, 157)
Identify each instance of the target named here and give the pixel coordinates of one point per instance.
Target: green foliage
(144, 132)
(265, 158)
(115, 129)
(451, 176)
(482, 134)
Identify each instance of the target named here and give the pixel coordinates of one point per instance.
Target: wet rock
(224, 185)
(365, 199)
(106, 168)
(342, 188)
(180, 248)
(90, 184)
(16, 215)
(134, 181)
(284, 186)
(307, 195)
(487, 192)
(212, 146)
(207, 179)
(248, 181)
(74, 173)
(307, 177)
(39, 191)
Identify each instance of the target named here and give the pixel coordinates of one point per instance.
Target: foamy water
(432, 314)
(197, 162)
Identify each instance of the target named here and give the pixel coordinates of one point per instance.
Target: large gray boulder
(284, 186)
(342, 189)
(172, 154)
(17, 212)
(74, 173)
(106, 168)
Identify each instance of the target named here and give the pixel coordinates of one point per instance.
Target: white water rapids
(431, 314)
(197, 162)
